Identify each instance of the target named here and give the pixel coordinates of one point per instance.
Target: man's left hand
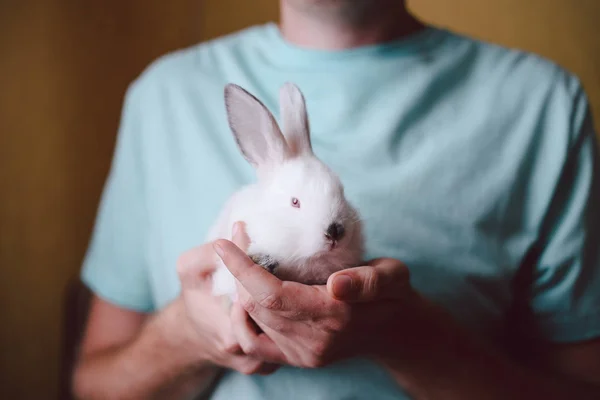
(360, 312)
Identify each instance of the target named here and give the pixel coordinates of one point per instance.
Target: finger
(263, 286)
(195, 266)
(383, 279)
(250, 366)
(246, 365)
(260, 314)
(268, 369)
(229, 344)
(239, 235)
(253, 344)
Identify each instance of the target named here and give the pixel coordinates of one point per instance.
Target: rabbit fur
(299, 222)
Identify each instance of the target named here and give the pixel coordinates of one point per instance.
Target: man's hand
(310, 326)
(373, 311)
(209, 319)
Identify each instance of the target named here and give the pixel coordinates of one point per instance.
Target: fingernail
(342, 285)
(236, 228)
(219, 250)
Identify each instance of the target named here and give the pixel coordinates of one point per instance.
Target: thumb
(195, 267)
(239, 235)
(382, 279)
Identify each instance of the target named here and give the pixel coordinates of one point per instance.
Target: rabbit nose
(335, 232)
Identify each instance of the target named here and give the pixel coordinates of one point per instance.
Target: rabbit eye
(295, 202)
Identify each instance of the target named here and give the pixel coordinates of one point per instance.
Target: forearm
(161, 362)
(474, 372)
(456, 365)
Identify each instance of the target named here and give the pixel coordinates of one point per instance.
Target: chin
(328, 5)
(315, 270)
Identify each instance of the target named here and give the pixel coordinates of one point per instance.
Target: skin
(372, 311)
(367, 311)
(172, 354)
(343, 24)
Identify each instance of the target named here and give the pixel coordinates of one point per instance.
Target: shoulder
(525, 87)
(205, 60)
(518, 70)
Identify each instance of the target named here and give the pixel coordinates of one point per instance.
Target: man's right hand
(209, 321)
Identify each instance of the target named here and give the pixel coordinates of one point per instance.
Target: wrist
(417, 345)
(182, 337)
(432, 356)
(416, 330)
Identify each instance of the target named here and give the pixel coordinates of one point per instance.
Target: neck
(346, 24)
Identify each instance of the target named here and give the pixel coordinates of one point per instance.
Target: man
(474, 167)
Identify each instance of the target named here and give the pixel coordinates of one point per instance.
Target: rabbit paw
(265, 261)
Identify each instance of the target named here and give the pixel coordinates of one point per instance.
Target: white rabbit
(300, 225)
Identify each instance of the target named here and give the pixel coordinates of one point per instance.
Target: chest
(431, 192)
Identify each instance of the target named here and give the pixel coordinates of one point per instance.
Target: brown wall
(64, 66)
(565, 31)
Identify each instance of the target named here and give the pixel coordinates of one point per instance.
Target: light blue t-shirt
(474, 164)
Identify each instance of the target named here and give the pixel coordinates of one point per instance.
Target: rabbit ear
(254, 128)
(295, 119)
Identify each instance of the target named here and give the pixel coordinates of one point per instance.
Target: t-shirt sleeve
(115, 267)
(566, 285)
